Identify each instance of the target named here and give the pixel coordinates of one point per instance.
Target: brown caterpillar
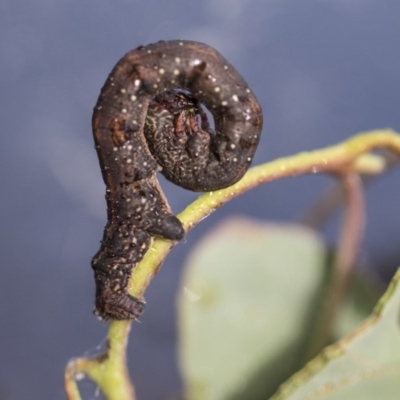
(141, 125)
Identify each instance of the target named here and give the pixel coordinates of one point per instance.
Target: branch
(350, 237)
(109, 370)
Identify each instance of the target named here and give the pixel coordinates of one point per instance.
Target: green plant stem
(109, 369)
(333, 198)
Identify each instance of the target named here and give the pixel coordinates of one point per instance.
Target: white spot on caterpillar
(235, 98)
(224, 103)
(217, 89)
(177, 60)
(161, 71)
(176, 71)
(133, 98)
(124, 110)
(233, 146)
(195, 62)
(129, 160)
(123, 90)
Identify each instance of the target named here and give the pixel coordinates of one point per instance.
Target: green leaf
(363, 366)
(363, 295)
(246, 304)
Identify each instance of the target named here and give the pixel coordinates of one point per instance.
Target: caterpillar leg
(113, 302)
(167, 227)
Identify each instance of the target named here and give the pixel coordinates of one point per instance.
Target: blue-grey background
(322, 70)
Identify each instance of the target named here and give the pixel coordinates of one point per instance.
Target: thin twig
(333, 197)
(350, 238)
(109, 370)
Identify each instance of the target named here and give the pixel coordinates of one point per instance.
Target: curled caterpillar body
(149, 118)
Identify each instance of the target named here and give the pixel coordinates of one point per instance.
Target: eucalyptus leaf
(365, 365)
(246, 303)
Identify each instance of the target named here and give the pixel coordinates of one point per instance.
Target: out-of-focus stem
(351, 233)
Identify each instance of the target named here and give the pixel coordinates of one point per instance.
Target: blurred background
(323, 70)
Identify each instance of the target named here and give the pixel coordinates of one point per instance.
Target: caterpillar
(148, 118)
